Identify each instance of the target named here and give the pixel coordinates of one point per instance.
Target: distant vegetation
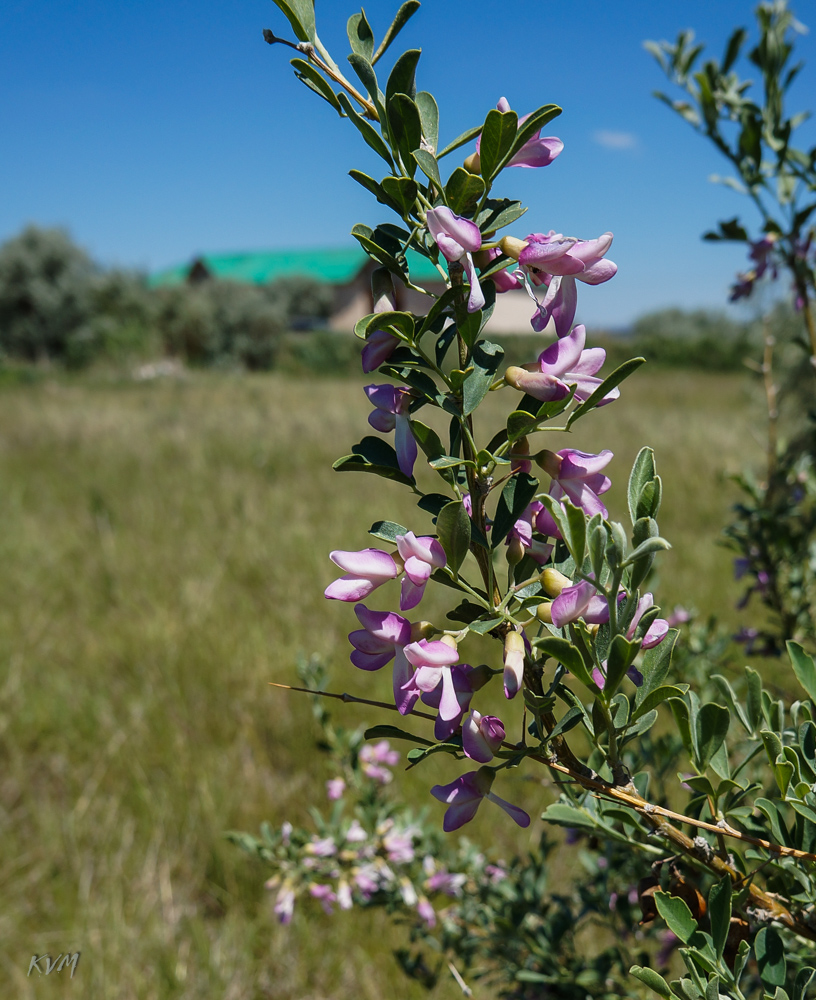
(58, 306)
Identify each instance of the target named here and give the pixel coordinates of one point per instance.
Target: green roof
(335, 265)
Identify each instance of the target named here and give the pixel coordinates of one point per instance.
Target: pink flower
(561, 255)
(285, 903)
(384, 635)
(461, 676)
(426, 912)
(505, 281)
(374, 756)
(482, 735)
(563, 363)
(422, 556)
(576, 475)
(365, 569)
(464, 795)
(657, 630)
(433, 660)
(335, 788)
(458, 238)
(522, 530)
(579, 601)
(392, 406)
(326, 896)
(536, 152)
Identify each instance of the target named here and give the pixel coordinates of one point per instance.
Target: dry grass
(163, 556)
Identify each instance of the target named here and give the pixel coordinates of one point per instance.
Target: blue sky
(155, 130)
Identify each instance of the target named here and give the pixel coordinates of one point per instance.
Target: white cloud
(616, 140)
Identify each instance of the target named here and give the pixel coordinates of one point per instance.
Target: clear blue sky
(157, 130)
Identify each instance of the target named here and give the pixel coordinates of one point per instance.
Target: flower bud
(511, 247)
(382, 290)
(513, 663)
(549, 462)
(398, 561)
(449, 641)
(473, 164)
(422, 630)
(553, 582)
(515, 551)
(544, 613)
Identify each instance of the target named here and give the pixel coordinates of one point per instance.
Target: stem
(770, 395)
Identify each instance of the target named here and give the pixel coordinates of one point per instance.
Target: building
(348, 271)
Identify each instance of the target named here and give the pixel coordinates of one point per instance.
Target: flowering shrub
(719, 862)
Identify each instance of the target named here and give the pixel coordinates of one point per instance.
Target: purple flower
(464, 795)
(322, 848)
(458, 238)
(373, 758)
(679, 616)
(657, 630)
(505, 281)
(379, 346)
(522, 533)
(562, 364)
(576, 475)
(461, 676)
(426, 912)
(422, 556)
(561, 255)
(399, 846)
(392, 406)
(482, 735)
(335, 788)
(579, 601)
(285, 903)
(536, 152)
(365, 569)
(384, 635)
(433, 660)
(559, 302)
(326, 896)
(444, 881)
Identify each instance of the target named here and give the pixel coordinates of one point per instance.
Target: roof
(335, 265)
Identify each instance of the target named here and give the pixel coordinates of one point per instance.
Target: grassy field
(163, 555)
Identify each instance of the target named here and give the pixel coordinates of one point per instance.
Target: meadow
(163, 553)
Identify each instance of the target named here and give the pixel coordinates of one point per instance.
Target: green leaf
(305, 72)
(453, 528)
(576, 532)
(646, 548)
(376, 456)
(655, 665)
(366, 130)
(406, 11)
(566, 815)
(463, 191)
(402, 78)
(620, 656)
(365, 72)
(428, 165)
(516, 495)
(803, 979)
(677, 915)
(803, 667)
(568, 721)
(405, 127)
(487, 625)
(402, 191)
(609, 383)
(485, 358)
(374, 248)
(427, 439)
(300, 14)
(719, 912)
(498, 133)
(655, 698)
(519, 424)
(650, 978)
(387, 530)
(712, 728)
(360, 35)
(770, 955)
(498, 213)
(415, 756)
(680, 711)
(393, 733)
(460, 141)
(643, 472)
(563, 651)
(429, 115)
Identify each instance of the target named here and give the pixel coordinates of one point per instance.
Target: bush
(697, 339)
(46, 286)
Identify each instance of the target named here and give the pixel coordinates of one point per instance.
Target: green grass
(163, 555)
